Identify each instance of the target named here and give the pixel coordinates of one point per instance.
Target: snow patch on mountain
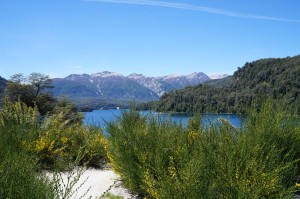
(218, 76)
(133, 86)
(106, 74)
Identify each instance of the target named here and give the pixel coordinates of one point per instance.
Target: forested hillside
(274, 78)
(2, 87)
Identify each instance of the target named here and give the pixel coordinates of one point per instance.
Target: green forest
(275, 78)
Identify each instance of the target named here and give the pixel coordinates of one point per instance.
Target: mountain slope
(105, 85)
(165, 84)
(107, 89)
(275, 78)
(218, 76)
(186, 80)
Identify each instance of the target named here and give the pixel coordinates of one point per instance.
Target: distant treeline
(277, 79)
(90, 104)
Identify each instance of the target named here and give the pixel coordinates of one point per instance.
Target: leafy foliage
(40, 82)
(67, 111)
(31, 93)
(37, 93)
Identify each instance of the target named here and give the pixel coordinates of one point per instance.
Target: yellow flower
(143, 157)
(40, 145)
(64, 140)
(171, 168)
(236, 176)
(150, 183)
(297, 184)
(192, 135)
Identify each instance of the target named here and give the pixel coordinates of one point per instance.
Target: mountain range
(109, 89)
(114, 86)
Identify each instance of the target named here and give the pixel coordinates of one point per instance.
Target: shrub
(18, 173)
(161, 159)
(59, 143)
(29, 144)
(96, 148)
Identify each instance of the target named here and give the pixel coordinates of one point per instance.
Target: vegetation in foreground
(18, 176)
(159, 159)
(30, 145)
(39, 132)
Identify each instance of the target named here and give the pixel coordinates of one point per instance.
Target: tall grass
(159, 159)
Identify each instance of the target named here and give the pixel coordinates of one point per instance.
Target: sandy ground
(97, 183)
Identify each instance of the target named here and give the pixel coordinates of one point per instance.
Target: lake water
(100, 117)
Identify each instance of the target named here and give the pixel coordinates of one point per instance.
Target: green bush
(161, 159)
(95, 154)
(19, 178)
(59, 144)
(29, 144)
(18, 172)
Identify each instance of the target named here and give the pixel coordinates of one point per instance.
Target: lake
(100, 117)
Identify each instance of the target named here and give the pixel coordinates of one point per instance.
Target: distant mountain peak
(106, 74)
(218, 76)
(136, 75)
(77, 76)
(195, 75)
(173, 75)
(134, 86)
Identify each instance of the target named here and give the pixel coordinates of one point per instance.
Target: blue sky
(155, 38)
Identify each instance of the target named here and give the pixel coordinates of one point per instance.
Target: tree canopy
(40, 82)
(35, 90)
(3, 83)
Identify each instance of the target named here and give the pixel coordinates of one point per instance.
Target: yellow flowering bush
(19, 175)
(160, 159)
(96, 148)
(60, 143)
(150, 184)
(19, 114)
